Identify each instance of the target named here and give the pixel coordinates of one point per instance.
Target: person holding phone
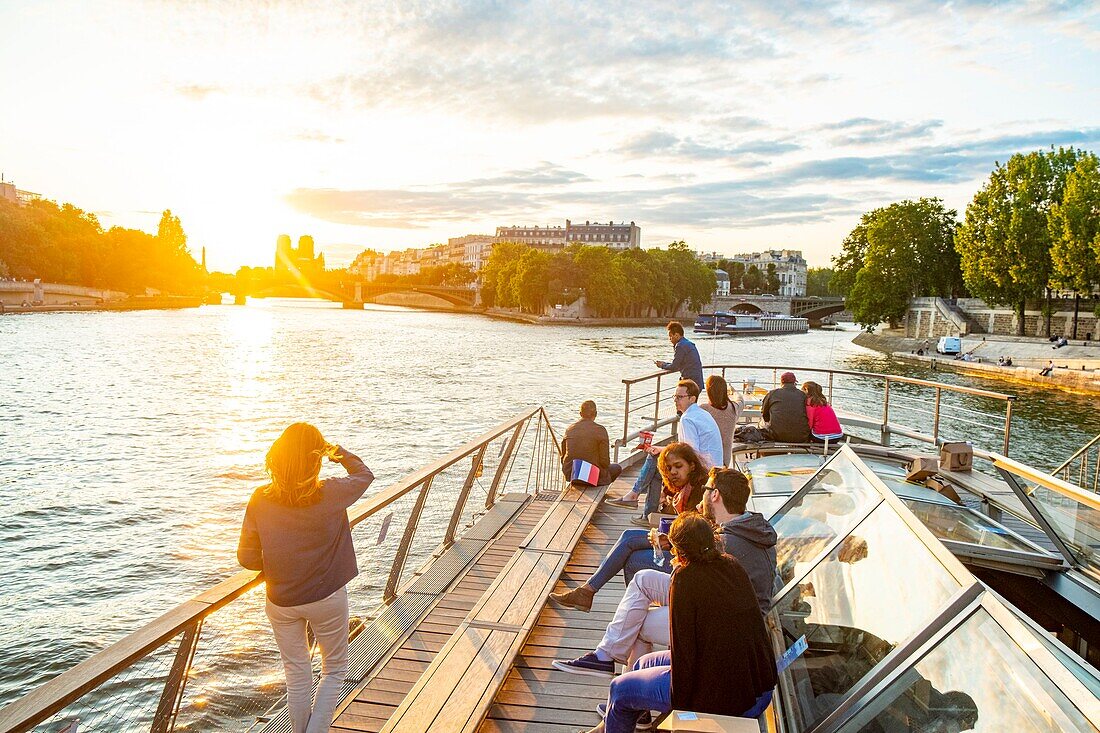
(296, 532)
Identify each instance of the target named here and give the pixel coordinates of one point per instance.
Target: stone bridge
(355, 293)
(813, 308)
(16, 293)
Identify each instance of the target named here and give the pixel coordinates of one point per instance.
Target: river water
(130, 442)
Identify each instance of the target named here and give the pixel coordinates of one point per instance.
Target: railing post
(463, 495)
(164, 720)
(657, 403)
(505, 458)
(406, 541)
(830, 388)
(936, 419)
(1008, 426)
(885, 431)
(626, 422)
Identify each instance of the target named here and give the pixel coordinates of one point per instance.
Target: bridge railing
(879, 407)
(210, 663)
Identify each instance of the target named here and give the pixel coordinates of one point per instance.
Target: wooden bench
(455, 692)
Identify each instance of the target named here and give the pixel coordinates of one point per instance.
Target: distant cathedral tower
(300, 261)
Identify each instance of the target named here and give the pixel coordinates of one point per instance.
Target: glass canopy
(880, 628)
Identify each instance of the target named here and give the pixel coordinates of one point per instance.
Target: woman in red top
(823, 421)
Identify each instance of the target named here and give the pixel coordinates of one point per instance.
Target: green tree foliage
(849, 262)
(1004, 244)
(819, 281)
(1075, 228)
(753, 279)
(624, 283)
(907, 250)
(67, 245)
(771, 280)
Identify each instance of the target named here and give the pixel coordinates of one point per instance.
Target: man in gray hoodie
(641, 619)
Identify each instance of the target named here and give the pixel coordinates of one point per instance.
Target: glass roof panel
(1077, 524)
(976, 679)
(781, 474)
(877, 588)
(959, 524)
(831, 504)
(766, 505)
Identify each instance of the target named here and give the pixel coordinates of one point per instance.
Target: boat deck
(529, 695)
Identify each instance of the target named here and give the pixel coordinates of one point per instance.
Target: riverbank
(507, 315)
(130, 304)
(1076, 368)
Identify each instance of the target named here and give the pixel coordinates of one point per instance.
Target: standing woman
(726, 412)
(720, 659)
(296, 531)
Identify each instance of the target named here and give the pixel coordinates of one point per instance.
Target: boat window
(766, 505)
(828, 507)
(976, 679)
(877, 588)
(959, 524)
(1076, 523)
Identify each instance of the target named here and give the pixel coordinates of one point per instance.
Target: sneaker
(578, 598)
(640, 521)
(588, 664)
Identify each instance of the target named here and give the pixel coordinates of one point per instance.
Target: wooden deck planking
(535, 697)
(371, 706)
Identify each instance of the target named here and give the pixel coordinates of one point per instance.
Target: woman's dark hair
(814, 395)
(694, 539)
(717, 392)
(684, 452)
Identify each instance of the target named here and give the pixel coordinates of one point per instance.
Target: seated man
(641, 620)
(684, 474)
(587, 440)
(784, 412)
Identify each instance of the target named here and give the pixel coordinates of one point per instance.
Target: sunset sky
(734, 126)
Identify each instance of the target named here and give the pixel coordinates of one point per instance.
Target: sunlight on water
(131, 441)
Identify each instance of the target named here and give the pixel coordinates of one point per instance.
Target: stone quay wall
(936, 317)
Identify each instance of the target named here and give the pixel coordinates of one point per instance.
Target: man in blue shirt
(685, 357)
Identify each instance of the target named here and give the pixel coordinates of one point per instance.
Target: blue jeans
(631, 553)
(648, 686)
(649, 483)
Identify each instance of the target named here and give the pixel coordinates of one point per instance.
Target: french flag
(585, 473)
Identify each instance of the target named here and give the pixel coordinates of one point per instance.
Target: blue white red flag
(585, 473)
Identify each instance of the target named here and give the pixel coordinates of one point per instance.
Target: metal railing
(1083, 467)
(210, 663)
(876, 406)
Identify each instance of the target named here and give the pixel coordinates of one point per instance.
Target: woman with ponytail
(296, 531)
(719, 659)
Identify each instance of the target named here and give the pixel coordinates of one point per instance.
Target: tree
(1074, 225)
(532, 280)
(753, 279)
(849, 262)
(771, 280)
(1004, 244)
(907, 250)
(819, 281)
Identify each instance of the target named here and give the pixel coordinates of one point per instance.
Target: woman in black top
(719, 658)
(296, 531)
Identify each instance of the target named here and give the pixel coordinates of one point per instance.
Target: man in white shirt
(696, 428)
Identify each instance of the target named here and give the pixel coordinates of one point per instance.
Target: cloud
(316, 136)
(804, 191)
(199, 92)
(865, 131)
(661, 143)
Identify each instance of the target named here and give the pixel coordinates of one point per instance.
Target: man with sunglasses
(641, 619)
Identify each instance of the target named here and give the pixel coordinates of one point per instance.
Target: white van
(949, 345)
